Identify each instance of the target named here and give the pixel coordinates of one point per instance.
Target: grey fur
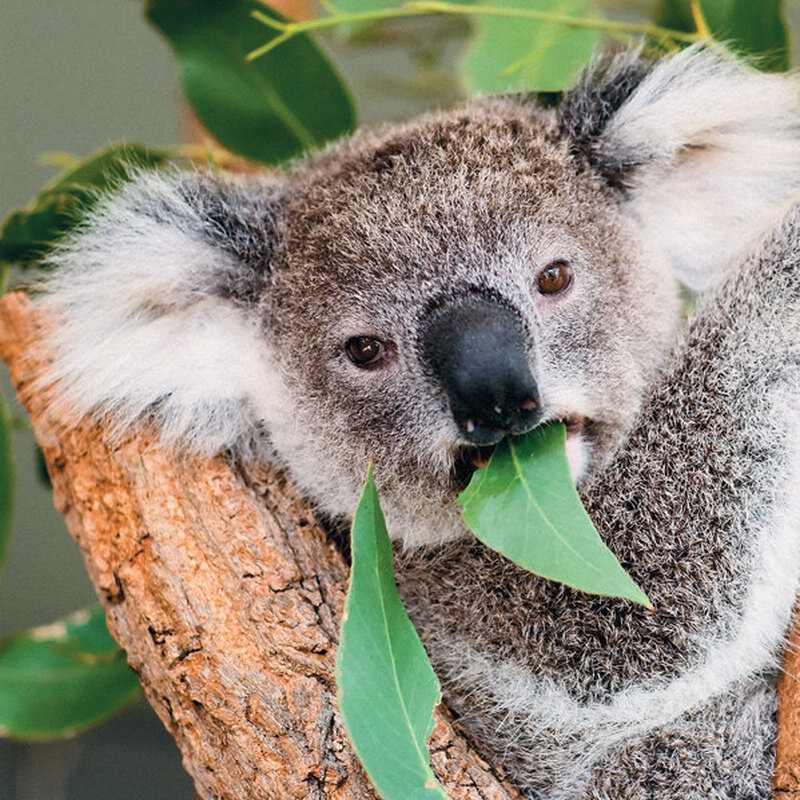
(681, 504)
(238, 221)
(235, 301)
(586, 111)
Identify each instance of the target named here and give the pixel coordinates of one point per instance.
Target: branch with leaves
(423, 8)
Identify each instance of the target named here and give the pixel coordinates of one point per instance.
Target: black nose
(476, 348)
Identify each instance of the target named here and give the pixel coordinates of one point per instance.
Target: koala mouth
(468, 459)
(472, 457)
(575, 426)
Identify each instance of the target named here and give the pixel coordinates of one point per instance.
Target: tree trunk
(227, 596)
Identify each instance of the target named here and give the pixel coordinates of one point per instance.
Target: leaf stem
(699, 19)
(595, 23)
(271, 45)
(414, 8)
(266, 19)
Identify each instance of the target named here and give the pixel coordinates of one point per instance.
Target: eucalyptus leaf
(6, 478)
(270, 109)
(511, 54)
(386, 687)
(752, 27)
(62, 678)
(524, 505)
(27, 235)
(677, 14)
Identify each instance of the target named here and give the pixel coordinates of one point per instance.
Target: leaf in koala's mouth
(524, 505)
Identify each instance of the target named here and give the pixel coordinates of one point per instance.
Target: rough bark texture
(227, 596)
(786, 782)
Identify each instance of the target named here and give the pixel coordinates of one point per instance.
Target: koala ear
(705, 149)
(156, 309)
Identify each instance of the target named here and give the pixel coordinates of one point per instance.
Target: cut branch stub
(226, 595)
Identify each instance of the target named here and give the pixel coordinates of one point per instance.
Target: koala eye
(554, 278)
(366, 352)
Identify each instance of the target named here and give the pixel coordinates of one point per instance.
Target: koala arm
(699, 505)
(721, 750)
(156, 294)
(731, 405)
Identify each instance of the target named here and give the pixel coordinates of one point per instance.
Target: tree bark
(227, 596)
(786, 780)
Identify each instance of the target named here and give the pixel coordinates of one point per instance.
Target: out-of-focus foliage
(63, 678)
(265, 110)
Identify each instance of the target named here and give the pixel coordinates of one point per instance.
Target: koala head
(415, 294)
(464, 277)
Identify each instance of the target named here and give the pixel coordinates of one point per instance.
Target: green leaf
(386, 687)
(525, 55)
(6, 478)
(62, 678)
(524, 505)
(27, 235)
(752, 27)
(270, 109)
(677, 14)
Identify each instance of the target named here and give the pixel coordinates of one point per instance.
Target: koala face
(414, 294)
(442, 285)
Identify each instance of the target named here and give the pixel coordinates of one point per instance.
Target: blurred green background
(75, 77)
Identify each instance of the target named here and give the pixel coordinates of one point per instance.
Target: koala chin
(416, 293)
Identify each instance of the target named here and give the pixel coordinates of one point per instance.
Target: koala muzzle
(476, 348)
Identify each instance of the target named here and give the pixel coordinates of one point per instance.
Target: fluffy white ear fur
(141, 332)
(719, 145)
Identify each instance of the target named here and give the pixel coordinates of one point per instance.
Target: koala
(414, 294)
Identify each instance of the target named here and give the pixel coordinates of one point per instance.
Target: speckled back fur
(222, 310)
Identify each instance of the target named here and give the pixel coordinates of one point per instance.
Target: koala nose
(476, 348)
